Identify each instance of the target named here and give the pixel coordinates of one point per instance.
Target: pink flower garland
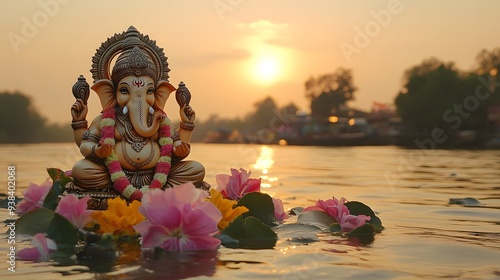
(118, 177)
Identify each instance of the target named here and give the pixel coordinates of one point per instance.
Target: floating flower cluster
(337, 209)
(181, 218)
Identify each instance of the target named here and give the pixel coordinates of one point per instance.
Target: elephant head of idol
(138, 83)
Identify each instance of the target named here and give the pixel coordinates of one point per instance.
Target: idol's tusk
(151, 110)
(125, 110)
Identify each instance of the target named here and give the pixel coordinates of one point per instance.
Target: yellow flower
(119, 218)
(226, 207)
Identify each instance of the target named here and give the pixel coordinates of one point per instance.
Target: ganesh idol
(132, 146)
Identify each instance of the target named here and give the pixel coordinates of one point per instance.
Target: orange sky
(232, 53)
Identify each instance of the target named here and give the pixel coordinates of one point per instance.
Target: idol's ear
(104, 89)
(163, 91)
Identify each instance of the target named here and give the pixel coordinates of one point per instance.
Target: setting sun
(266, 69)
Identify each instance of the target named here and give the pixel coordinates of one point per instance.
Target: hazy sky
(232, 53)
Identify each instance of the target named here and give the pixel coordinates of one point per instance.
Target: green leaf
(236, 229)
(260, 206)
(256, 230)
(365, 233)
(335, 227)
(52, 198)
(297, 233)
(359, 208)
(58, 175)
(249, 233)
(315, 218)
(62, 231)
(296, 210)
(64, 257)
(35, 221)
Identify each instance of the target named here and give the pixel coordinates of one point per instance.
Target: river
(425, 235)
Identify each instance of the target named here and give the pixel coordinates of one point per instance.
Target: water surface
(425, 236)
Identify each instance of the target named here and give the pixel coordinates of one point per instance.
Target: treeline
(436, 94)
(20, 122)
(266, 114)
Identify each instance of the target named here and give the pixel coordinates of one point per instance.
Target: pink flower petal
(279, 210)
(164, 215)
(173, 244)
(350, 222)
(333, 207)
(75, 210)
(158, 208)
(42, 249)
(251, 185)
(198, 223)
(34, 196)
(210, 211)
(29, 254)
(222, 181)
(187, 194)
(195, 233)
(143, 227)
(238, 184)
(155, 236)
(205, 242)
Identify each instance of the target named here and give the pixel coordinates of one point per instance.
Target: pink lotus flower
(332, 207)
(178, 219)
(41, 251)
(34, 197)
(279, 210)
(349, 222)
(75, 210)
(238, 184)
(340, 213)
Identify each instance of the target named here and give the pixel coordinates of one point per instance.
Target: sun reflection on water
(264, 163)
(285, 250)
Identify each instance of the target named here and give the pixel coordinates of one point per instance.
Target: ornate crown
(138, 55)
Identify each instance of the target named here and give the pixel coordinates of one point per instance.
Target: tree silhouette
(264, 112)
(21, 123)
(436, 95)
(488, 62)
(329, 93)
(429, 90)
